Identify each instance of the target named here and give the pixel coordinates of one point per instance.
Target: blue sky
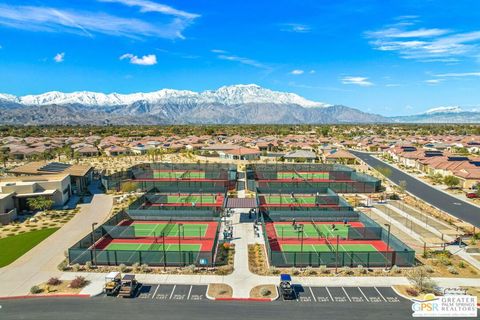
(388, 57)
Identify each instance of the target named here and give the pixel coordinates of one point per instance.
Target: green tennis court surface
(303, 175)
(326, 248)
(288, 199)
(152, 247)
(191, 198)
(154, 229)
(309, 230)
(179, 174)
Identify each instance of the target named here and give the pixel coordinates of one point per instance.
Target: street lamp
(94, 246)
(180, 227)
(388, 245)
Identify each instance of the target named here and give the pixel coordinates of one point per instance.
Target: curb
(46, 296)
(245, 299)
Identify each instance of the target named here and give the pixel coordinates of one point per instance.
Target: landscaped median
(13, 247)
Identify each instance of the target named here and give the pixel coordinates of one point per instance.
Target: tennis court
(303, 175)
(313, 230)
(157, 174)
(153, 247)
(185, 229)
(328, 247)
(288, 199)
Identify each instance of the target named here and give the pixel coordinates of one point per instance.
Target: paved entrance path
(40, 263)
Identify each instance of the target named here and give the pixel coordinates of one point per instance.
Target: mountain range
(236, 104)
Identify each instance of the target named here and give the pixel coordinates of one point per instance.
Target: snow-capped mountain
(449, 109)
(227, 95)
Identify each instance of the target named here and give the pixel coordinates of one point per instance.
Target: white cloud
(297, 72)
(87, 23)
(312, 71)
(59, 57)
(433, 81)
(150, 6)
(425, 44)
(147, 60)
(359, 81)
(225, 55)
(459, 74)
(295, 27)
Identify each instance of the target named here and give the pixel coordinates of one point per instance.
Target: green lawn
(12, 248)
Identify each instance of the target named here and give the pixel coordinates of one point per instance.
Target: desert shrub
(429, 269)
(347, 270)
(63, 266)
(395, 269)
(122, 267)
(191, 268)
(78, 282)
(444, 260)
(361, 269)
(309, 271)
(135, 266)
(323, 269)
(54, 281)
(274, 270)
(88, 265)
(144, 268)
(35, 290)
(295, 271)
(265, 292)
(452, 270)
(76, 267)
(412, 291)
(461, 264)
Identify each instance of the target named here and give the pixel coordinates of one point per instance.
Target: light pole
(388, 245)
(180, 227)
(301, 232)
(94, 246)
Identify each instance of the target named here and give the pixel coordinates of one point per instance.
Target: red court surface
(302, 205)
(303, 180)
(206, 241)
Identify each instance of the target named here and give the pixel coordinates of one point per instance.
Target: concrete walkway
(40, 263)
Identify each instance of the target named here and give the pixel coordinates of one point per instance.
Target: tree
(4, 152)
(421, 279)
(451, 181)
(40, 203)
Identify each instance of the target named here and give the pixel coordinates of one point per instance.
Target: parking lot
(345, 295)
(174, 292)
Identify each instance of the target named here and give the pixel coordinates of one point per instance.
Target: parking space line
(363, 294)
(189, 292)
(173, 290)
(346, 294)
(331, 297)
(311, 291)
(380, 294)
(155, 293)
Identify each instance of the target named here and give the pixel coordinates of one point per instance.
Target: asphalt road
(437, 198)
(118, 308)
